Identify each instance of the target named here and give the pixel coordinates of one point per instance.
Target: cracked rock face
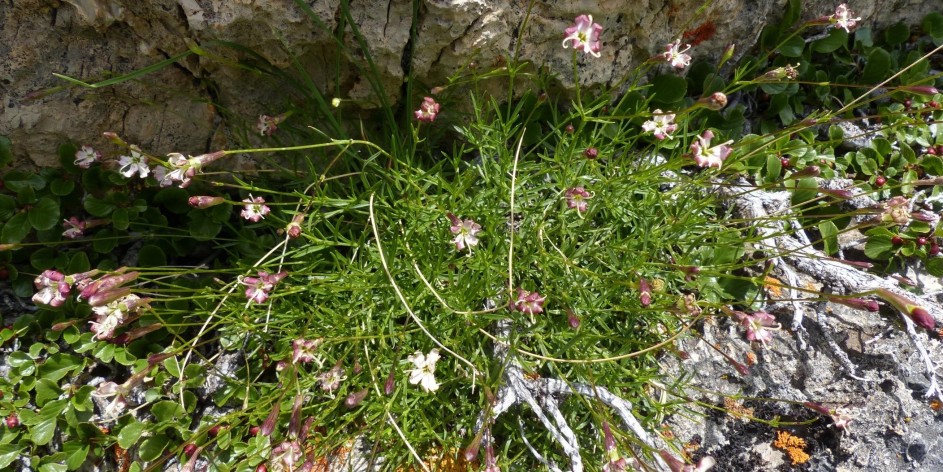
(178, 107)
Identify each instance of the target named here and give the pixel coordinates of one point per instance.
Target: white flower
(255, 209)
(661, 124)
(136, 163)
(112, 315)
(118, 402)
(424, 373)
(85, 156)
(676, 56)
(842, 18)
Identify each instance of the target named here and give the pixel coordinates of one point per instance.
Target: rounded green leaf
(44, 214)
(130, 433)
(105, 240)
(793, 47)
(7, 207)
(152, 256)
(98, 207)
(78, 263)
(878, 67)
(67, 157)
(152, 447)
(668, 88)
(17, 180)
(932, 25)
(120, 219)
(62, 187)
(204, 229)
(44, 258)
(896, 34)
(836, 38)
(15, 230)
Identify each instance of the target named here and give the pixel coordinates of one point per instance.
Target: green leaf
(793, 12)
(62, 187)
(167, 411)
(42, 431)
(105, 241)
(67, 158)
(932, 24)
(896, 34)
(204, 229)
(152, 447)
(120, 219)
(58, 366)
(152, 256)
(174, 199)
(53, 467)
(668, 88)
(75, 454)
(130, 433)
(17, 180)
(98, 207)
(44, 214)
(863, 36)
(43, 259)
(836, 38)
(829, 236)
(78, 263)
(16, 229)
(932, 164)
(774, 167)
(6, 151)
(879, 246)
(878, 67)
(8, 452)
(792, 47)
(7, 207)
(46, 390)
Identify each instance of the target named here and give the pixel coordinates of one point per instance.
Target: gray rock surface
(181, 108)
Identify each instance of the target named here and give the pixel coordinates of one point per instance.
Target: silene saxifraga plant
(325, 298)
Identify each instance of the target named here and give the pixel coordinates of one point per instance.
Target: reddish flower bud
(190, 449)
(390, 383)
(857, 303)
(572, 319)
(155, 359)
(63, 325)
(268, 426)
(742, 369)
(569, 129)
(12, 421)
(897, 240)
(920, 89)
(354, 399)
(294, 228)
(261, 468)
(880, 180)
(591, 153)
(921, 241)
(934, 249)
(922, 318)
(104, 298)
(254, 431)
(294, 423)
(817, 407)
(837, 193)
(214, 431)
(715, 101)
(645, 296)
(471, 452)
(113, 137)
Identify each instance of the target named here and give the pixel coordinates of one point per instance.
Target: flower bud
(837, 193)
(645, 297)
(917, 313)
(920, 89)
(857, 303)
(390, 383)
(204, 201)
(808, 171)
(715, 101)
(268, 426)
(113, 137)
(294, 228)
(922, 318)
(107, 283)
(471, 452)
(12, 421)
(727, 55)
(572, 319)
(354, 399)
(294, 423)
(591, 153)
(204, 159)
(63, 325)
(155, 359)
(104, 298)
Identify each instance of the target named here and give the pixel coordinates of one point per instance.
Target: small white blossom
(424, 373)
(136, 163)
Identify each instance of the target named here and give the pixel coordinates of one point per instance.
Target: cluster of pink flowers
(112, 303)
(842, 18)
(259, 288)
(428, 110)
(268, 125)
(584, 35)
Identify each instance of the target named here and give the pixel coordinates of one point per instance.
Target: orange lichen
(793, 445)
(773, 286)
(935, 405)
(700, 34)
(735, 409)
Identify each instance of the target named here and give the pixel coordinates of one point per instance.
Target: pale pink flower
(136, 163)
(491, 462)
(74, 228)
(53, 288)
(707, 156)
(465, 231)
(255, 209)
(259, 288)
(577, 197)
(675, 55)
(86, 156)
(428, 110)
(759, 325)
(584, 34)
(114, 314)
(331, 379)
(302, 350)
(286, 456)
(118, 403)
(183, 169)
(661, 124)
(424, 371)
(614, 461)
(530, 303)
(267, 125)
(842, 18)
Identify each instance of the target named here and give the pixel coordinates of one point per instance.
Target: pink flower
(53, 289)
(759, 325)
(465, 231)
(85, 156)
(267, 125)
(661, 124)
(615, 461)
(286, 456)
(184, 169)
(255, 209)
(528, 302)
(645, 292)
(428, 110)
(675, 55)
(584, 34)
(491, 462)
(707, 156)
(842, 18)
(294, 227)
(115, 314)
(259, 288)
(302, 350)
(205, 201)
(331, 379)
(74, 228)
(576, 198)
